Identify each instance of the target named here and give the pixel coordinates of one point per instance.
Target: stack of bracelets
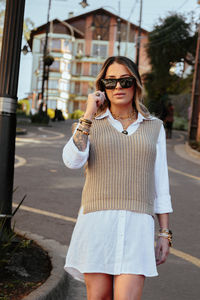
(84, 126)
(167, 234)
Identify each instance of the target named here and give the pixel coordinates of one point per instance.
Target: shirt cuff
(163, 205)
(73, 157)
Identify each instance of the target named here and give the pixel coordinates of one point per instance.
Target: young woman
(124, 150)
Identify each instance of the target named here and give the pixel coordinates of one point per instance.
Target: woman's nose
(118, 86)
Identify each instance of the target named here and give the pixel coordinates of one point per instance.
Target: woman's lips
(119, 94)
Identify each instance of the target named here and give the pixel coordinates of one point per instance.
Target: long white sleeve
(163, 198)
(73, 158)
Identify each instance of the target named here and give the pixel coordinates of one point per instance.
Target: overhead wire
(182, 4)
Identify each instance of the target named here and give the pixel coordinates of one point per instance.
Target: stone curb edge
(191, 151)
(57, 284)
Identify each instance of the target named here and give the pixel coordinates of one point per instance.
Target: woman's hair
(131, 66)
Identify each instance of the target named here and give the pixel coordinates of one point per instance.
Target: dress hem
(77, 273)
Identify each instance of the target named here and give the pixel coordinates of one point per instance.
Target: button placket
(120, 241)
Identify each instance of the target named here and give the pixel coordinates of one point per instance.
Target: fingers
(100, 97)
(162, 250)
(94, 101)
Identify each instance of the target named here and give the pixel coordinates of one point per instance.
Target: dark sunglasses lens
(109, 83)
(126, 82)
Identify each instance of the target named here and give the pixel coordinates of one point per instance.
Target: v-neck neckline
(120, 132)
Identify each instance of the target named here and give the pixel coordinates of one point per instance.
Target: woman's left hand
(162, 250)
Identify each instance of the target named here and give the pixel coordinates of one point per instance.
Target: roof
(100, 10)
(78, 33)
(42, 29)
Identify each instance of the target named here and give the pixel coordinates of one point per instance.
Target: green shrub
(76, 114)
(180, 123)
(40, 118)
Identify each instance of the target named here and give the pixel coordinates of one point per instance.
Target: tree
(28, 23)
(172, 41)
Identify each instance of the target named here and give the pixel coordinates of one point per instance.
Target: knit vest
(120, 168)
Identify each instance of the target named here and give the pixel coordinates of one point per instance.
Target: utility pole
(45, 53)
(119, 29)
(139, 36)
(9, 72)
(194, 123)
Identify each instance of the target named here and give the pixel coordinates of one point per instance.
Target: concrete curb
(191, 151)
(57, 285)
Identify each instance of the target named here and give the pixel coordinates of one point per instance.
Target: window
(42, 41)
(80, 49)
(41, 64)
(99, 50)
(78, 68)
(64, 85)
(56, 44)
(67, 46)
(95, 68)
(76, 105)
(77, 88)
(65, 66)
(55, 66)
(52, 104)
(39, 84)
(53, 84)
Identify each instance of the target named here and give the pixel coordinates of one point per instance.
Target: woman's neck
(122, 111)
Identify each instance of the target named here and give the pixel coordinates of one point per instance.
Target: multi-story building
(80, 45)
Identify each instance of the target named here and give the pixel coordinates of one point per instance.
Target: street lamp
(25, 50)
(84, 3)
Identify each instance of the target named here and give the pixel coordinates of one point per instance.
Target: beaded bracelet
(83, 131)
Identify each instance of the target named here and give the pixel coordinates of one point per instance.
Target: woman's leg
(128, 286)
(99, 286)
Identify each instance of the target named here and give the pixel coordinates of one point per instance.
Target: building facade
(79, 46)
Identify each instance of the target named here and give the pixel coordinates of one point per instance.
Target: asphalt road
(53, 199)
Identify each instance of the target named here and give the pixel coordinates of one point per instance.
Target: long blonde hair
(132, 67)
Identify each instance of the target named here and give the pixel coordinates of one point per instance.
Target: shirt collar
(107, 113)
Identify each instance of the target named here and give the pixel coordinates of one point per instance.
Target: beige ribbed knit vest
(120, 170)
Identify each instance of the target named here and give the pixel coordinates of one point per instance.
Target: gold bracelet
(83, 131)
(86, 121)
(167, 234)
(86, 125)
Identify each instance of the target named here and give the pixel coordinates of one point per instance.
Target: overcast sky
(152, 9)
(36, 10)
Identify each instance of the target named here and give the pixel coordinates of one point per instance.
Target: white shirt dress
(117, 241)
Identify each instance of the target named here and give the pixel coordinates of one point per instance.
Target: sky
(36, 10)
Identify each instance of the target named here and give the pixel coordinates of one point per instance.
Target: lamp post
(84, 3)
(45, 52)
(139, 36)
(9, 73)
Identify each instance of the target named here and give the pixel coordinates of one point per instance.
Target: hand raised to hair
(93, 102)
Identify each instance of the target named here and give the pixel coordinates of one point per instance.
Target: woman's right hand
(93, 102)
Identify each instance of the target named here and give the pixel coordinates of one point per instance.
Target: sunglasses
(125, 83)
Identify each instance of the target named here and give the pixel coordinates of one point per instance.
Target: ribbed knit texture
(120, 170)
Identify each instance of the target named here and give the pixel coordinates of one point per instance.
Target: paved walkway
(53, 199)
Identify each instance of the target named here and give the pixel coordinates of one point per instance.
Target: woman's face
(119, 96)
